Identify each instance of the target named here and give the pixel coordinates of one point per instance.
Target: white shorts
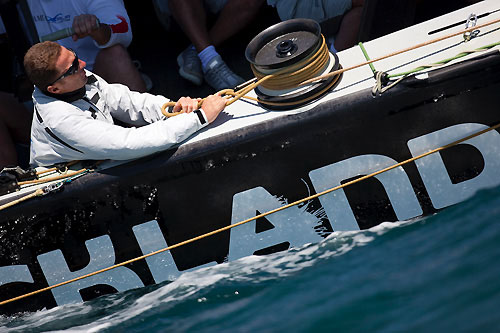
(318, 10)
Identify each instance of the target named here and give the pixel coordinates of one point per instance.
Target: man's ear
(53, 89)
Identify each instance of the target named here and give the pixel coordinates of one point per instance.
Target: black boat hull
(123, 212)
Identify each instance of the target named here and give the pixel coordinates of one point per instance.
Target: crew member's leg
(347, 35)
(235, 16)
(190, 14)
(191, 17)
(115, 66)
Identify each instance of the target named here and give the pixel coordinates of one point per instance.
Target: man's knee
(114, 52)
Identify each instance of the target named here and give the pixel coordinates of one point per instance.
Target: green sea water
(436, 274)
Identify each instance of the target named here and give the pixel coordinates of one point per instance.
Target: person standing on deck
(74, 111)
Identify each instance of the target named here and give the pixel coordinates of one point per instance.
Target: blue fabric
(331, 44)
(206, 55)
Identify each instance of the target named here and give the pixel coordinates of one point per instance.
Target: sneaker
(219, 76)
(147, 81)
(190, 66)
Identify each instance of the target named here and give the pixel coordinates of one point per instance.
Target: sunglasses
(71, 70)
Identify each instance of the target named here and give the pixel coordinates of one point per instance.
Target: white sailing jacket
(82, 127)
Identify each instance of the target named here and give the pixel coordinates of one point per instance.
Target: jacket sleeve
(129, 106)
(97, 140)
(114, 14)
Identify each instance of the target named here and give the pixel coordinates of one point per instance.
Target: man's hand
(186, 104)
(213, 105)
(87, 25)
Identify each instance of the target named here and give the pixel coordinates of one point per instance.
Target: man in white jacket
(74, 111)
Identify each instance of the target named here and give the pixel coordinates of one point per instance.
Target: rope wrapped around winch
(281, 79)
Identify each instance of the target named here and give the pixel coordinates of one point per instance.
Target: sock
(206, 55)
(331, 44)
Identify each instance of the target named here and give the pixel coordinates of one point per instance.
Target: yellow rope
(191, 240)
(292, 75)
(37, 193)
(50, 179)
(46, 180)
(55, 168)
(284, 78)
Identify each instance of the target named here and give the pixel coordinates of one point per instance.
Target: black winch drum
(285, 44)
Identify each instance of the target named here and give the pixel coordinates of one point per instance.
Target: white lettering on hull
(15, 273)
(102, 255)
(395, 182)
(161, 265)
(293, 225)
(433, 171)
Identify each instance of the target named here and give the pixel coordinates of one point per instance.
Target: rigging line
(398, 52)
(66, 178)
(460, 23)
(228, 227)
(445, 61)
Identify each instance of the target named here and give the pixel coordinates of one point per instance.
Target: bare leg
(349, 27)
(114, 65)
(15, 123)
(235, 16)
(190, 14)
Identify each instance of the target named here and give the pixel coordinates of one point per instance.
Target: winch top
(284, 44)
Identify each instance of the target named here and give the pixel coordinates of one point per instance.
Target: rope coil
(284, 78)
(291, 76)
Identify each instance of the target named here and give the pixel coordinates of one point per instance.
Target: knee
(116, 51)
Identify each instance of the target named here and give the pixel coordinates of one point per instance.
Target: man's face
(71, 74)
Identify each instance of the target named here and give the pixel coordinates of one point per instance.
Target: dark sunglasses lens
(74, 67)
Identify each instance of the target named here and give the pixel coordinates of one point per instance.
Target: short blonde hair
(40, 63)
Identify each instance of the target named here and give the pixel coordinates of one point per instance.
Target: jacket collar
(69, 96)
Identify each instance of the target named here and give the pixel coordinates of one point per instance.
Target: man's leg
(114, 65)
(347, 35)
(191, 17)
(235, 16)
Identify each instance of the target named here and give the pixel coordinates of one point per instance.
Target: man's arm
(113, 27)
(92, 139)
